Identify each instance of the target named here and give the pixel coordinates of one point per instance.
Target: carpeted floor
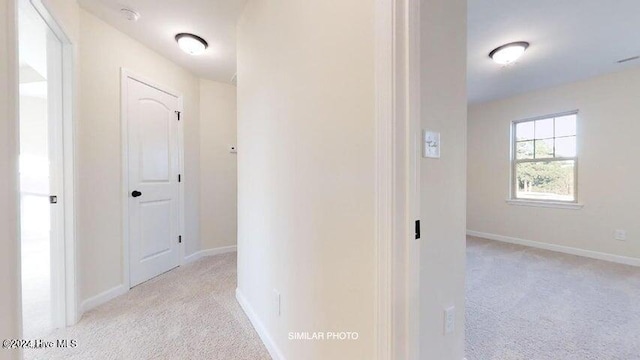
(531, 304)
(188, 313)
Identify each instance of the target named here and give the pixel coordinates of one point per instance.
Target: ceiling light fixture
(191, 44)
(508, 53)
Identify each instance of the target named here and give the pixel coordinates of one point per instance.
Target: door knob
(136, 193)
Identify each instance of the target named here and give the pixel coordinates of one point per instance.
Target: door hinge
(417, 229)
(180, 239)
(179, 177)
(53, 199)
(178, 114)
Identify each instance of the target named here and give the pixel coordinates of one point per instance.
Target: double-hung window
(544, 159)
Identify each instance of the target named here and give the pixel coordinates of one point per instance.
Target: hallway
(190, 310)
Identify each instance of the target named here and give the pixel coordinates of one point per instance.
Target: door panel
(155, 138)
(156, 235)
(153, 171)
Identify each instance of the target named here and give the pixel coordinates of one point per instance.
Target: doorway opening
(46, 173)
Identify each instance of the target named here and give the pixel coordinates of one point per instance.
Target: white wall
(443, 181)
(218, 167)
(306, 172)
(9, 239)
(103, 51)
(34, 127)
(607, 172)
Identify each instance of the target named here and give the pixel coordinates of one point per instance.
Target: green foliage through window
(545, 158)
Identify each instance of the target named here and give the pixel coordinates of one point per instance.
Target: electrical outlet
(276, 302)
(620, 235)
(449, 320)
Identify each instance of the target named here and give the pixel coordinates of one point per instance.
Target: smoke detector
(130, 14)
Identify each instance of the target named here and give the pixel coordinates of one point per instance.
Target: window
(544, 160)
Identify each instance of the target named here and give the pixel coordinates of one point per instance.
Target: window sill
(545, 204)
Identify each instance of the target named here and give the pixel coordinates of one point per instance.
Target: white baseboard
(102, 298)
(559, 248)
(209, 252)
(271, 346)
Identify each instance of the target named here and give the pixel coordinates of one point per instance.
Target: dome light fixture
(509, 53)
(191, 44)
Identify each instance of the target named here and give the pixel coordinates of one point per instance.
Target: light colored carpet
(531, 304)
(188, 313)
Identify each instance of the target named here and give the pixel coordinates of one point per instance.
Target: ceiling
(160, 21)
(570, 40)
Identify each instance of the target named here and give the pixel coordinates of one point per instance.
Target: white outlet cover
(276, 302)
(431, 144)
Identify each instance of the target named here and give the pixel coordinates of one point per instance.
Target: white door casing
(151, 116)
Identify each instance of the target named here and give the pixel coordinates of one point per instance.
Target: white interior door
(153, 162)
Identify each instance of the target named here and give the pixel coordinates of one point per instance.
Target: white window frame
(514, 199)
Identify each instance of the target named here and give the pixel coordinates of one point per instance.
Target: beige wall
(9, 259)
(103, 52)
(67, 14)
(218, 167)
(306, 172)
(608, 124)
(443, 181)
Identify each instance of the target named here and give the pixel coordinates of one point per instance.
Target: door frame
(397, 186)
(126, 74)
(65, 294)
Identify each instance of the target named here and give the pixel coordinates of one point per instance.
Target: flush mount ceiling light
(191, 44)
(508, 53)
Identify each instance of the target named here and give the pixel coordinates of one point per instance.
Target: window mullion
(520, 161)
(554, 137)
(534, 139)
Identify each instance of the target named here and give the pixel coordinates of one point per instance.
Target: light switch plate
(431, 144)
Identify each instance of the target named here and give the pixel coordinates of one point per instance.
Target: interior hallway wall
(218, 166)
(306, 173)
(9, 234)
(443, 181)
(607, 170)
(103, 52)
